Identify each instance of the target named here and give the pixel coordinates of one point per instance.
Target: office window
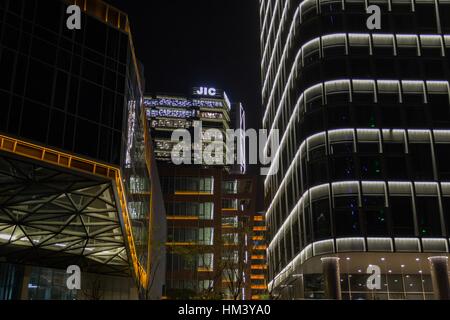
(206, 261)
(318, 172)
(230, 187)
(35, 120)
(375, 215)
(444, 11)
(321, 219)
(138, 184)
(442, 151)
(230, 238)
(137, 210)
(230, 222)
(338, 116)
(391, 115)
(439, 107)
(421, 161)
(428, 216)
(206, 236)
(7, 67)
(370, 167)
(90, 101)
(39, 90)
(343, 168)
(396, 167)
(346, 216)
(402, 216)
(446, 210)
(56, 128)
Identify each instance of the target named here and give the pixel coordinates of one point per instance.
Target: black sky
(187, 43)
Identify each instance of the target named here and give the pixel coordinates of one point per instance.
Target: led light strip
(296, 110)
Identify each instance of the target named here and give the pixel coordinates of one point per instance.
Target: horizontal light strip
(288, 220)
(291, 265)
(298, 154)
(298, 56)
(295, 111)
(182, 217)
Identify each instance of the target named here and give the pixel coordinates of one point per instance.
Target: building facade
(78, 186)
(359, 206)
(210, 205)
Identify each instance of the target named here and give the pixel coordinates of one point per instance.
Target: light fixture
(382, 259)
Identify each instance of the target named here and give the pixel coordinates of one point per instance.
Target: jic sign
(208, 92)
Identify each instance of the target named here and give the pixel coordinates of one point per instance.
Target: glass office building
(209, 206)
(359, 208)
(77, 186)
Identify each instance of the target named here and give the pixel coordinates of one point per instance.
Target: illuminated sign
(205, 91)
(208, 92)
(179, 103)
(168, 113)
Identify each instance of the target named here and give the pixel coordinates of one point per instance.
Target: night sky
(214, 43)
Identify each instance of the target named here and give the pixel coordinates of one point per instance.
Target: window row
(340, 92)
(202, 236)
(366, 154)
(300, 32)
(339, 95)
(42, 84)
(365, 209)
(189, 261)
(202, 210)
(339, 44)
(173, 185)
(57, 129)
(45, 20)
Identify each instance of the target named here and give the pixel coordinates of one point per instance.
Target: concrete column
(332, 278)
(439, 275)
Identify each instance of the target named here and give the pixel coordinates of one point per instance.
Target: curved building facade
(77, 182)
(358, 207)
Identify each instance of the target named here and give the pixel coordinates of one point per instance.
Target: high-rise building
(360, 205)
(210, 205)
(77, 183)
(258, 275)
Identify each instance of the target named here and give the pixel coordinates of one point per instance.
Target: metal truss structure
(57, 210)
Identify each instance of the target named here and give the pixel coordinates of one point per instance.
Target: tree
(233, 263)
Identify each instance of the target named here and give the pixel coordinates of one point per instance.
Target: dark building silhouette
(76, 182)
